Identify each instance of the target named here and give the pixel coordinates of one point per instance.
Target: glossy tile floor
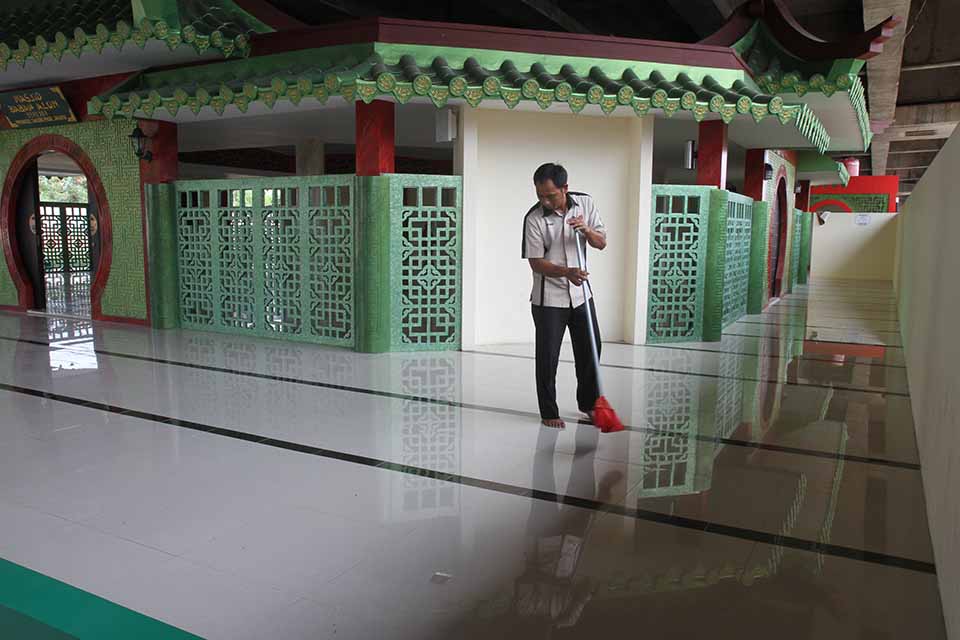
(768, 485)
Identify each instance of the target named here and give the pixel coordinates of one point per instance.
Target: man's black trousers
(550, 323)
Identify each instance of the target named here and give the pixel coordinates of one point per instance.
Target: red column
(375, 138)
(753, 174)
(803, 197)
(712, 154)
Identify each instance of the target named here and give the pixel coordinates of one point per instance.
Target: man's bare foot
(554, 423)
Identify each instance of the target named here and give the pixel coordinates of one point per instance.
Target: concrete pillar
(466, 164)
(712, 154)
(640, 183)
(311, 158)
(375, 137)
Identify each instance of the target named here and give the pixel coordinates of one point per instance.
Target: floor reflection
(68, 294)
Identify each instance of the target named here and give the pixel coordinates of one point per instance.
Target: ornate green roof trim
(777, 71)
(359, 72)
(844, 173)
(36, 33)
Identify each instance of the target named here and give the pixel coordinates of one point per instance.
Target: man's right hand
(576, 276)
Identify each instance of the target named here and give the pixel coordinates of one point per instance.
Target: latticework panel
(283, 262)
(426, 250)
(736, 274)
(677, 256)
(268, 257)
(195, 260)
(65, 230)
(331, 278)
(52, 235)
(77, 224)
(236, 240)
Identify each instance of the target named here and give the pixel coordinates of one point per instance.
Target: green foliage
(71, 189)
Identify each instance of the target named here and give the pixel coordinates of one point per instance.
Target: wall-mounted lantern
(141, 142)
(767, 171)
(690, 155)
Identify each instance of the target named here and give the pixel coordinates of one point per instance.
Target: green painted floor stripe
(33, 605)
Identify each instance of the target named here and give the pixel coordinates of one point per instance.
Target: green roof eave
(811, 162)
(216, 24)
(777, 71)
(404, 72)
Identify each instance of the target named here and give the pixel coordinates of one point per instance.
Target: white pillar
(640, 176)
(466, 163)
(310, 157)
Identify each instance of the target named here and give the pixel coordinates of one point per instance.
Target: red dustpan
(604, 417)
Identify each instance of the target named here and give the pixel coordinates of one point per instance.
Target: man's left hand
(578, 223)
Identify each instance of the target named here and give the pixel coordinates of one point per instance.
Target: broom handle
(581, 261)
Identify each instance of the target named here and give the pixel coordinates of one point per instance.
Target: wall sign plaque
(39, 107)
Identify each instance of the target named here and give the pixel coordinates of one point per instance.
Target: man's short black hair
(550, 171)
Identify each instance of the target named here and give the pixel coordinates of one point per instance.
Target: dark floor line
(852, 307)
(813, 326)
(751, 355)
(714, 376)
(771, 312)
(847, 342)
(500, 410)
(500, 487)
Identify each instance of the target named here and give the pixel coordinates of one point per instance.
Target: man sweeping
(559, 299)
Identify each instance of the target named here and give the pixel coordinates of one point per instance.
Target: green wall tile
(678, 254)
(759, 247)
(161, 203)
(716, 239)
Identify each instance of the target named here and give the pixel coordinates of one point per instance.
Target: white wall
(929, 298)
(843, 249)
(497, 153)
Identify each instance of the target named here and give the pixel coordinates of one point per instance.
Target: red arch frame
(781, 177)
(8, 201)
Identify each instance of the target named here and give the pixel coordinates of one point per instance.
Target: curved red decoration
(831, 205)
(796, 39)
(11, 187)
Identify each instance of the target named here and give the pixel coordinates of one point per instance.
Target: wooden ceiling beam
(551, 11)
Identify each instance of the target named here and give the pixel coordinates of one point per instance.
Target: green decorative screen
(677, 256)
(736, 273)
(795, 249)
(268, 257)
(426, 241)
